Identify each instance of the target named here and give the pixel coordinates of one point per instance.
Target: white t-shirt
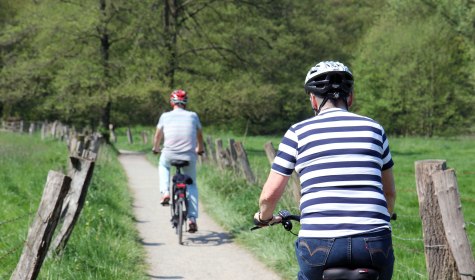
(180, 129)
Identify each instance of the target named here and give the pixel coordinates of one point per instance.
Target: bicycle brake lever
(284, 214)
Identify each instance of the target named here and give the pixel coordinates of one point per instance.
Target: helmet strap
(324, 101)
(315, 106)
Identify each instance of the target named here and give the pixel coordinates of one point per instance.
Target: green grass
(104, 243)
(232, 202)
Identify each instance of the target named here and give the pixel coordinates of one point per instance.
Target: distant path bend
(207, 254)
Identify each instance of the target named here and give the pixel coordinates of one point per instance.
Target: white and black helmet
(329, 77)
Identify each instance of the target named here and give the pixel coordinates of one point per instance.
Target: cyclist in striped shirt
(347, 184)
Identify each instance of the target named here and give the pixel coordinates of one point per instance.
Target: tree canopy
(94, 62)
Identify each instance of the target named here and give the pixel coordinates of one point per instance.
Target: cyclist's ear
(350, 99)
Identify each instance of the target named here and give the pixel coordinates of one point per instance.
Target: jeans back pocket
(314, 251)
(381, 250)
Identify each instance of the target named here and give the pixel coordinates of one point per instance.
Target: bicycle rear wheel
(181, 219)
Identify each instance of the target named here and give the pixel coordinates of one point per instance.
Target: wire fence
(7, 252)
(415, 243)
(10, 251)
(17, 218)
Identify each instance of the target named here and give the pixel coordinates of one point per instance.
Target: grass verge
(104, 243)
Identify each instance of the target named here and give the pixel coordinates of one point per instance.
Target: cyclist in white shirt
(182, 137)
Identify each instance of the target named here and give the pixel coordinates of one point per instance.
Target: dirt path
(208, 254)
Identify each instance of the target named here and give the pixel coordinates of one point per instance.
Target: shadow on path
(211, 238)
(164, 277)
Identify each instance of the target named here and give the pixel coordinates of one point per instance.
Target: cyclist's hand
(199, 151)
(155, 151)
(260, 223)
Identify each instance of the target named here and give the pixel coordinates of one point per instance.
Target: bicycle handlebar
(287, 218)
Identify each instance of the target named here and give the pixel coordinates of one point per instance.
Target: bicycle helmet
(178, 96)
(329, 80)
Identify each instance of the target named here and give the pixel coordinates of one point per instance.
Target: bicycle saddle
(179, 163)
(353, 274)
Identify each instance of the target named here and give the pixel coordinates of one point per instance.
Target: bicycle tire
(181, 220)
(173, 212)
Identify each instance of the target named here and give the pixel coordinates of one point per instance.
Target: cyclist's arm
(389, 189)
(199, 136)
(157, 139)
(271, 193)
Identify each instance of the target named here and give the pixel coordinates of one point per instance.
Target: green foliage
(408, 85)
(87, 64)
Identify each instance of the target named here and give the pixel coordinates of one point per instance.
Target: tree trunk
(171, 33)
(105, 51)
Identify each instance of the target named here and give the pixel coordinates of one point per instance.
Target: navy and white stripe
(339, 156)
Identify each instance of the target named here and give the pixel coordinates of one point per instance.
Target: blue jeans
(371, 250)
(192, 190)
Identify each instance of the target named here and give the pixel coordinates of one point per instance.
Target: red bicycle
(178, 201)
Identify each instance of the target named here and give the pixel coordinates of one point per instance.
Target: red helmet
(178, 97)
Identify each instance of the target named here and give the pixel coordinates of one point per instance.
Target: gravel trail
(209, 253)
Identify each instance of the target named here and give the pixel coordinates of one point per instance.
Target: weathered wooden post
(112, 136)
(81, 174)
(54, 129)
(294, 180)
(439, 261)
(144, 135)
(221, 155)
(31, 129)
(44, 127)
(211, 150)
(232, 155)
(42, 229)
(448, 197)
(129, 136)
(244, 163)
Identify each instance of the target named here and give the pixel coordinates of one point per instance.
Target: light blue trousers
(164, 174)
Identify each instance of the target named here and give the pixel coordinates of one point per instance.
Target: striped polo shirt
(339, 157)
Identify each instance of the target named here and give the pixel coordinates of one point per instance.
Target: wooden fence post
(221, 155)
(81, 174)
(446, 189)
(31, 130)
(211, 150)
(203, 157)
(129, 136)
(439, 262)
(144, 137)
(294, 180)
(42, 229)
(112, 136)
(232, 154)
(244, 162)
(44, 127)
